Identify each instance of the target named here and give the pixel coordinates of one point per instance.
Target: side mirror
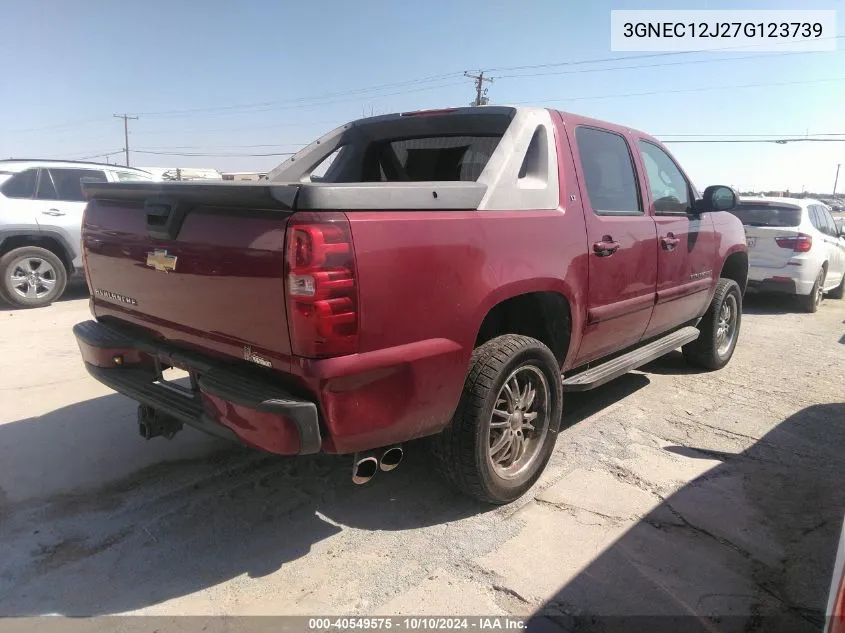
(717, 198)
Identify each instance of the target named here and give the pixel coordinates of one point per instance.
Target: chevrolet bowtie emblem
(161, 261)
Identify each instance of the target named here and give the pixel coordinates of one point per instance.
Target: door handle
(606, 247)
(669, 242)
(53, 212)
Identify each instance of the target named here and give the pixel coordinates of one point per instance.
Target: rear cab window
(450, 158)
(609, 174)
(768, 214)
(417, 147)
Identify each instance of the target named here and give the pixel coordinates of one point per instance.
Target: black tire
(811, 302)
(461, 450)
(707, 350)
(58, 277)
(839, 291)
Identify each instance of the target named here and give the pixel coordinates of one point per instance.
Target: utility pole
(480, 99)
(126, 118)
(836, 180)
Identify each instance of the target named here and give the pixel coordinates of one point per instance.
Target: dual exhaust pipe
(365, 465)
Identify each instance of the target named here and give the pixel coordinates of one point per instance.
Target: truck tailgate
(214, 283)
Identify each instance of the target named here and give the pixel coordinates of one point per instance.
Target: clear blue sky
(80, 62)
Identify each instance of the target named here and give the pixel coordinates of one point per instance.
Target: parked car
(794, 247)
(41, 205)
(452, 274)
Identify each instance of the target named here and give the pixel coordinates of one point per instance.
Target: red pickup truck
(447, 273)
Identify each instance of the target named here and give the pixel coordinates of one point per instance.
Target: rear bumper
(243, 405)
(795, 278)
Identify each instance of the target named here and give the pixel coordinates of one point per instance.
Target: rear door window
(21, 185)
(68, 182)
(608, 167)
(768, 214)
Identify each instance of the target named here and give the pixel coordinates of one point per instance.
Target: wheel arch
(735, 266)
(53, 242)
(530, 310)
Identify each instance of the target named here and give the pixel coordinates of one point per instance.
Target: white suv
(794, 247)
(41, 205)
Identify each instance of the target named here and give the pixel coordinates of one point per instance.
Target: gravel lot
(670, 493)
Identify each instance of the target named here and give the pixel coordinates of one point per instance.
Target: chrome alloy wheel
(519, 422)
(726, 328)
(32, 277)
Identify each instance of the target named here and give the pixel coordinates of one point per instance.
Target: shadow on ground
(176, 528)
(757, 303)
(179, 527)
(748, 546)
(75, 290)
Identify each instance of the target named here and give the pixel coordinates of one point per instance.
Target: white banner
(706, 30)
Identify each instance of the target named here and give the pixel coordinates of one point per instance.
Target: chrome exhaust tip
(391, 458)
(364, 469)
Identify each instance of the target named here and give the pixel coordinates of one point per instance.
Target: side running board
(597, 376)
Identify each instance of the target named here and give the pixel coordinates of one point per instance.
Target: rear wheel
(812, 301)
(505, 427)
(31, 277)
(719, 328)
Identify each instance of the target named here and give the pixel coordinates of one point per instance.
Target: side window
(21, 185)
(46, 188)
(669, 188)
(814, 217)
(609, 173)
(68, 182)
(829, 223)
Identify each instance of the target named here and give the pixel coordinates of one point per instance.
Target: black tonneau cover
(297, 196)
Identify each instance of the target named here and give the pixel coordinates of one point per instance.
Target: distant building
(243, 175)
(183, 173)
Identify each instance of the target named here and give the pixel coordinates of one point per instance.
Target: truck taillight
(322, 294)
(800, 243)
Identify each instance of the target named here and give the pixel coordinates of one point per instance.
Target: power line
(684, 90)
(330, 95)
(322, 103)
(333, 122)
(681, 63)
(653, 55)
(224, 147)
(53, 128)
(223, 155)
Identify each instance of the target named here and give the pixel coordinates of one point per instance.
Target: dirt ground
(714, 495)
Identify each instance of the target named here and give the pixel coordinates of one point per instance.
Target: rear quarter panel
(426, 282)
